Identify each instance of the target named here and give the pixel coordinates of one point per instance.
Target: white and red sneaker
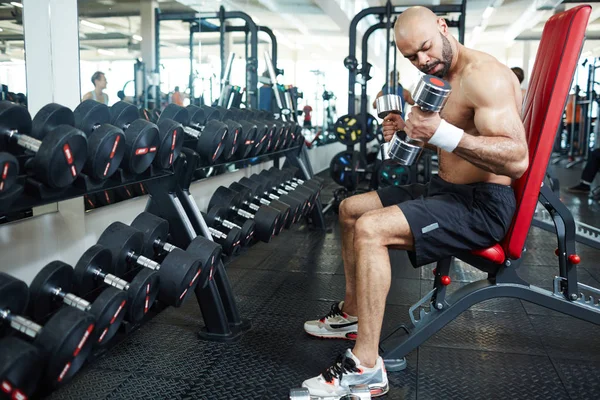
(335, 325)
(347, 371)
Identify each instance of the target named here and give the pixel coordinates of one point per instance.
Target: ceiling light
(92, 25)
(487, 12)
(14, 3)
(106, 52)
(137, 37)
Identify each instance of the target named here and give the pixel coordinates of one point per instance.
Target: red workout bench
(556, 60)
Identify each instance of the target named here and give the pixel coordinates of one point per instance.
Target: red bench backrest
(555, 63)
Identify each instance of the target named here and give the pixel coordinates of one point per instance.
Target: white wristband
(447, 136)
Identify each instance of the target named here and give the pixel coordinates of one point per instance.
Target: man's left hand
(421, 125)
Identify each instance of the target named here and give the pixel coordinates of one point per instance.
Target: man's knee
(347, 212)
(365, 230)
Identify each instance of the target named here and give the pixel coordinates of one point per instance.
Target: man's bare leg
(351, 209)
(373, 232)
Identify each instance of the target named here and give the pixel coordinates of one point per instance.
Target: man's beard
(446, 59)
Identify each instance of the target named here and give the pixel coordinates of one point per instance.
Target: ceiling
(304, 28)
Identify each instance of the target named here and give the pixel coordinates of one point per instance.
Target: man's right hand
(392, 124)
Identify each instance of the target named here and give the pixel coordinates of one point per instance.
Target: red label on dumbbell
(101, 338)
(195, 277)
(437, 82)
(68, 154)
(1, 186)
(173, 140)
(171, 159)
(64, 372)
(210, 277)
(128, 192)
(6, 387)
(152, 149)
(114, 318)
(115, 145)
(107, 168)
(249, 142)
(183, 294)
(84, 339)
(18, 395)
(73, 171)
(235, 135)
(147, 302)
(141, 151)
(216, 151)
(106, 197)
(5, 170)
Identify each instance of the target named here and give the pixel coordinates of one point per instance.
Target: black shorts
(447, 219)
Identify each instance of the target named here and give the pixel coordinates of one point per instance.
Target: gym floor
(499, 349)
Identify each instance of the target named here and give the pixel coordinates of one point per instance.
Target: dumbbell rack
(171, 200)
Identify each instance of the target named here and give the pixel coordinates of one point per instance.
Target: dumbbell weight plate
(106, 148)
(49, 118)
(392, 173)
(106, 197)
(84, 277)
(20, 368)
(153, 228)
(211, 113)
(65, 341)
(208, 251)
(123, 114)
(142, 141)
(261, 141)
(120, 239)
(9, 170)
(249, 133)
(233, 139)
(61, 157)
(170, 142)
(175, 113)
(13, 117)
(232, 243)
(14, 295)
(196, 115)
(344, 168)
(124, 192)
(89, 114)
(109, 309)
(179, 274)
(266, 220)
(248, 230)
(211, 142)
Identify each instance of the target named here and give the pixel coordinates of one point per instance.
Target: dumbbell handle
(26, 141)
(227, 224)
(112, 280)
(244, 213)
(21, 324)
(168, 247)
(216, 233)
(72, 300)
(143, 261)
(195, 133)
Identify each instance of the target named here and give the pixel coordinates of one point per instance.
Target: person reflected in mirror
(520, 76)
(177, 97)
(100, 83)
(592, 166)
(404, 94)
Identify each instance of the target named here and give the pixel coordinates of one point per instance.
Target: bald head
(422, 37)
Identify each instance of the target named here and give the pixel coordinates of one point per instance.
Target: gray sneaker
(335, 325)
(335, 382)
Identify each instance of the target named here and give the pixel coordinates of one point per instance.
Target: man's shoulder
(483, 75)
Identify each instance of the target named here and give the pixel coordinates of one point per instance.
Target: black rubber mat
(499, 349)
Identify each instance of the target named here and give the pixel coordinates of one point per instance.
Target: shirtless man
(482, 147)
(99, 81)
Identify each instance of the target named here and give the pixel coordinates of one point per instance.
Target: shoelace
(334, 312)
(342, 364)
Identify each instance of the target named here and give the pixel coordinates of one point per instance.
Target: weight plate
(141, 294)
(288, 215)
(232, 141)
(106, 197)
(230, 114)
(64, 340)
(211, 142)
(89, 115)
(170, 143)
(124, 192)
(142, 143)
(154, 229)
(231, 244)
(90, 201)
(344, 169)
(13, 118)
(215, 215)
(122, 241)
(250, 130)
(146, 114)
(96, 258)
(196, 115)
(42, 300)
(61, 156)
(14, 295)
(109, 311)
(176, 113)
(207, 253)
(140, 189)
(260, 143)
(248, 229)
(9, 170)
(179, 274)
(266, 222)
(211, 113)
(391, 173)
(347, 129)
(224, 197)
(372, 127)
(106, 149)
(48, 118)
(122, 114)
(21, 367)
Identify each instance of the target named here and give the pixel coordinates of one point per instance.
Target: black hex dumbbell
(21, 368)
(9, 170)
(246, 196)
(266, 218)
(59, 155)
(52, 288)
(178, 271)
(237, 133)
(62, 341)
(286, 204)
(218, 216)
(271, 187)
(95, 269)
(156, 231)
(252, 131)
(141, 137)
(284, 183)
